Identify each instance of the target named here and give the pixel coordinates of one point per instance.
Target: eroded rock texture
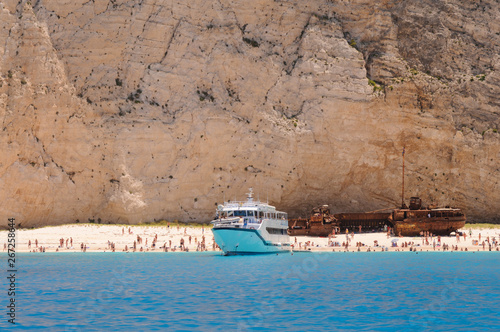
(129, 111)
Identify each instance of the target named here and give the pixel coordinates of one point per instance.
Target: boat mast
(403, 182)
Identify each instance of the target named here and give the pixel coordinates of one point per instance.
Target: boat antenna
(250, 195)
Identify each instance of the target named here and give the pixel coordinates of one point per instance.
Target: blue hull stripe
(245, 230)
(236, 253)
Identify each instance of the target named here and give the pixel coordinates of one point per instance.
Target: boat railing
(237, 222)
(223, 221)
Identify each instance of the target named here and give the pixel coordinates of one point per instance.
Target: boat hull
(242, 241)
(437, 226)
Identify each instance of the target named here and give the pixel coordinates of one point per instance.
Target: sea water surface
(376, 291)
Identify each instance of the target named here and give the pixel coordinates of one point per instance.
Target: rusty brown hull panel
(437, 226)
(312, 230)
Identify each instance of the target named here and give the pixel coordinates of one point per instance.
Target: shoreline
(102, 238)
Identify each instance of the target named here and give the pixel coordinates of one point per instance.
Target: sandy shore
(473, 241)
(98, 238)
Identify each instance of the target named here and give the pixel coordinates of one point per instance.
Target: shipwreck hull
(437, 226)
(321, 223)
(368, 221)
(320, 231)
(304, 227)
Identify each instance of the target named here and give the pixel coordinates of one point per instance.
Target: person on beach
(36, 241)
(29, 244)
(71, 241)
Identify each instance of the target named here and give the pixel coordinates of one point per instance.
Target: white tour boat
(251, 227)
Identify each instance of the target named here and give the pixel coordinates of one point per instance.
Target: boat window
(272, 230)
(250, 213)
(240, 213)
(230, 213)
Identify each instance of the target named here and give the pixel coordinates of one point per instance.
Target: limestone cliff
(129, 111)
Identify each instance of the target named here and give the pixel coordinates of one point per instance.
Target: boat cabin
(242, 216)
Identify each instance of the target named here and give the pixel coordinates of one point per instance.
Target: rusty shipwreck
(320, 223)
(413, 220)
(405, 221)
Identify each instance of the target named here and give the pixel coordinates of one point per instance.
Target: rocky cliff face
(129, 111)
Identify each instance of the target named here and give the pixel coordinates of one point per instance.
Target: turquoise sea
(376, 291)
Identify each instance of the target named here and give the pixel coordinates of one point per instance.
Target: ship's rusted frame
(406, 221)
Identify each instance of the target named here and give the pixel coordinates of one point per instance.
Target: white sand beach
(102, 238)
(473, 241)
